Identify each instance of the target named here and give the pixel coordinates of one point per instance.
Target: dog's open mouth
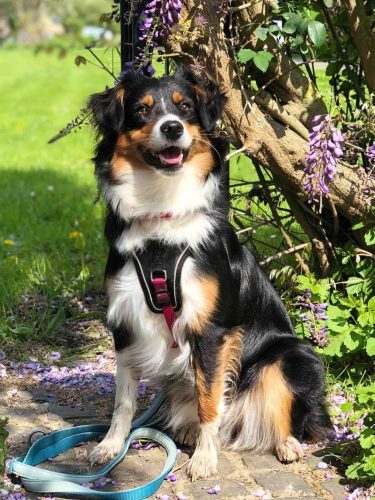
(171, 156)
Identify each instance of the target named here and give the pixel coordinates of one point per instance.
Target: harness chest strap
(164, 300)
(159, 268)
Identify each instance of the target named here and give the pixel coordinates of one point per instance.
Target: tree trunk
(363, 38)
(271, 125)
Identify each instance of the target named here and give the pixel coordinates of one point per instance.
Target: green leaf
(298, 40)
(354, 285)
(347, 407)
(292, 24)
(261, 33)
(22, 330)
(328, 3)
(334, 312)
(371, 304)
(303, 25)
(370, 237)
(273, 28)
(317, 33)
(56, 322)
(262, 60)
(370, 346)
(367, 439)
(360, 225)
(245, 55)
(347, 340)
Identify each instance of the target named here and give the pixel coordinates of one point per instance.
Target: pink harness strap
(164, 301)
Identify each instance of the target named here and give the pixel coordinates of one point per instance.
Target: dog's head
(161, 122)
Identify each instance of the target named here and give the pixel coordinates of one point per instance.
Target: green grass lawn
(47, 191)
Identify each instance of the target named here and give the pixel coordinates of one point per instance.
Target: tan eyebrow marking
(177, 97)
(120, 94)
(148, 100)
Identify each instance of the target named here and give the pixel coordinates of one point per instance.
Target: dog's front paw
(202, 464)
(106, 451)
(289, 450)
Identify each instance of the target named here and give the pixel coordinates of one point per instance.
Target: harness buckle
(158, 273)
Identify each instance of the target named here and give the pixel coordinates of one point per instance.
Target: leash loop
(39, 480)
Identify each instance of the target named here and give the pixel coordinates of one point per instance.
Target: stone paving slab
(240, 475)
(284, 484)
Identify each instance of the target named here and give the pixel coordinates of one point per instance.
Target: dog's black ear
(107, 110)
(210, 98)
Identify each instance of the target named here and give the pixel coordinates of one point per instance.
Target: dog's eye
(185, 106)
(142, 110)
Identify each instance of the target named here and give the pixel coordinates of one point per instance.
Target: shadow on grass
(52, 250)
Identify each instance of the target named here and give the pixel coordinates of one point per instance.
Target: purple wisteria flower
(160, 17)
(214, 490)
(370, 153)
(171, 477)
(325, 150)
(314, 318)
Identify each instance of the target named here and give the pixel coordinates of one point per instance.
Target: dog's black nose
(172, 129)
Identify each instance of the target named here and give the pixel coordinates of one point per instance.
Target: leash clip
(37, 431)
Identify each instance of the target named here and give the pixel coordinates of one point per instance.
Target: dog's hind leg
(280, 401)
(125, 406)
(259, 419)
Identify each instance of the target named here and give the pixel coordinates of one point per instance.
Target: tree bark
(272, 125)
(363, 38)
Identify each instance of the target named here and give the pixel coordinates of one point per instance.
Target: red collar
(151, 218)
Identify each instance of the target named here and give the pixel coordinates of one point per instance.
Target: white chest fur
(150, 351)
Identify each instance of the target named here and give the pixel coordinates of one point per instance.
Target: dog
(189, 307)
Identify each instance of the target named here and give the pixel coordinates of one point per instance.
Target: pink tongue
(171, 157)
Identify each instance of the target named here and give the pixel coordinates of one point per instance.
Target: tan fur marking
(141, 134)
(148, 100)
(209, 288)
(177, 97)
(198, 90)
(121, 94)
(227, 366)
(125, 157)
(200, 158)
(273, 393)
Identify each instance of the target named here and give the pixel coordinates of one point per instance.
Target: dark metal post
(128, 26)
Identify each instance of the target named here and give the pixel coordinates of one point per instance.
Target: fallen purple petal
(214, 490)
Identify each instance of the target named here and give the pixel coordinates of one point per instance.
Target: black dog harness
(159, 268)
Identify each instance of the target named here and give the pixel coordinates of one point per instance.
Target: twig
(278, 221)
(334, 215)
(284, 252)
(364, 253)
(245, 230)
(240, 7)
(182, 465)
(102, 65)
(263, 87)
(234, 153)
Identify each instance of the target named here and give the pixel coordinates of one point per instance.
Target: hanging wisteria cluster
(158, 19)
(326, 147)
(313, 318)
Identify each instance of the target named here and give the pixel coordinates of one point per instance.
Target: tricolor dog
(189, 307)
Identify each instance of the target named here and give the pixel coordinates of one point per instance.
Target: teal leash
(39, 480)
